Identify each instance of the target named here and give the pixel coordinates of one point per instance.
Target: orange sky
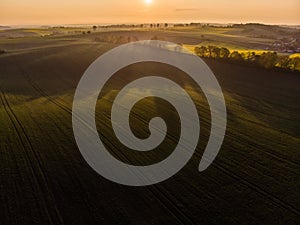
(47, 12)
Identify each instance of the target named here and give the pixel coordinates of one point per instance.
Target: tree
(235, 55)
(224, 53)
(251, 56)
(210, 50)
(283, 61)
(215, 52)
(94, 27)
(201, 51)
(268, 60)
(166, 25)
(295, 63)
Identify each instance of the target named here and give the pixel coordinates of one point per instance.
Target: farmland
(45, 180)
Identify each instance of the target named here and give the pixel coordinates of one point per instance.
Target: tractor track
(33, 160)
(228, 172)
(178, 215)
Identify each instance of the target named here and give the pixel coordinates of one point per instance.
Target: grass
(44, 179)
(230, 47)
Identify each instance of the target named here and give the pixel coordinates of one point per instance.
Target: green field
(45, 180)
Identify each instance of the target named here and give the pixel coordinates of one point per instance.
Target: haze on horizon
(49, 12)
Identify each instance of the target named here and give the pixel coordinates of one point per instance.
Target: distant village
(287, 45)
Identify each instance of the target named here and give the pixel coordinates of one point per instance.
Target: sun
(148, 2)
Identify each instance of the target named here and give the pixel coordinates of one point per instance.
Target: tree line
(267, 60)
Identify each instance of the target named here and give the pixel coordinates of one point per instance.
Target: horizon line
(137, 23)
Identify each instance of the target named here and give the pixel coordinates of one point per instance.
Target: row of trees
(267, 59)
(159, 25)
(151, 25)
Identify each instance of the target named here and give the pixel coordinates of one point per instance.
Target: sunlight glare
(148, 2)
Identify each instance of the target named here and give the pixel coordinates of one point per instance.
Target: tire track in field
(265, 151)
(158, 194)
(241, 139)
(258, 189)
(242, 180)
(259, 147)
(168, 205)
(231, 174)
(245, 182)
(155, 194)
(32, 158)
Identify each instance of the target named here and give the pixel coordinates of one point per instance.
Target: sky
(55, 12)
